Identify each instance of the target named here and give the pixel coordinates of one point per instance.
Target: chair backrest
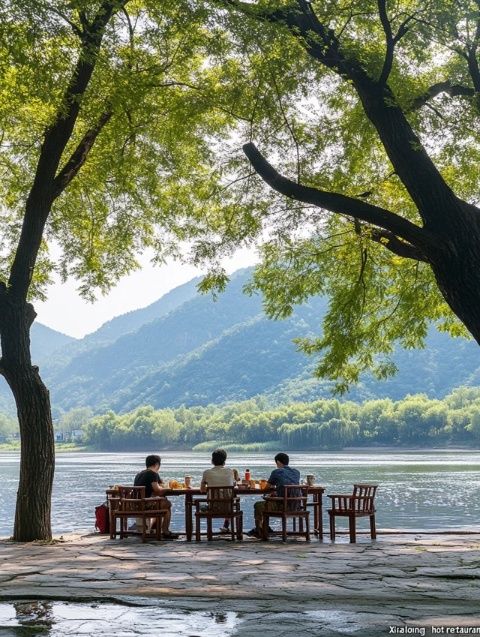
(295, 497)
(131, 492)
(221, 500)
(364, 496)
(131, 498)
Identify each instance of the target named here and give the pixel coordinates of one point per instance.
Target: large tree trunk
(37, 463)
(458, 272)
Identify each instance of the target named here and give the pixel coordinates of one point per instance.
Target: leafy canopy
(307, 118)
(147, 109)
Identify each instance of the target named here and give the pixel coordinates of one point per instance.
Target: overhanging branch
(442, 87)
(335, 202)
(423, 181)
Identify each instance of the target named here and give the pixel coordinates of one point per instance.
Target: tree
(363, 128)
(75, 419)
(102, 155)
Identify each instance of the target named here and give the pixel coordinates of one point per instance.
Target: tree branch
(442, 87)
(335, 202)
(473, 67)
(389, 41)
(403, 28)
(319, 41)
(79, 155)
(395, 245)
(72, 24)
(426, 186)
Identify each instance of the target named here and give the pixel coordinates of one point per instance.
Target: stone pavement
(404, 582)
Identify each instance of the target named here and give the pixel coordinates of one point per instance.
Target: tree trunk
(37, 460)
(457, 271)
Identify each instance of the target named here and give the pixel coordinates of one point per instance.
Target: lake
(419, 490)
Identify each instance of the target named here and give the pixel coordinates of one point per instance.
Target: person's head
(153, 462)
(218, 457)
(282, 460)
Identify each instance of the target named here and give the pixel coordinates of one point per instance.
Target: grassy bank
(229, 445)
(59, 447)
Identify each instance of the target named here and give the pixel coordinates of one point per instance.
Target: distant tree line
(323, 424)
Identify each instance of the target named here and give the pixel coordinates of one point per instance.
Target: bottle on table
(247, 474)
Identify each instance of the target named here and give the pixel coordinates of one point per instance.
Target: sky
(66, 312)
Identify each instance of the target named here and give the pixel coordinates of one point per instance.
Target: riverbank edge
(71, 448)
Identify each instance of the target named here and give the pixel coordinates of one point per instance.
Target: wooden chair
(359, 504)
(292, 505)
(132, 503)
(221, 502)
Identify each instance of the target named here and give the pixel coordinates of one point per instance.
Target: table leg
(317, 515)
(188, 516)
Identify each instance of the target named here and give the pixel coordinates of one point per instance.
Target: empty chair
(131, 503)
(359, 504)
(293, 505)
(221, 502)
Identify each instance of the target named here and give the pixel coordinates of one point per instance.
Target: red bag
(102, 518)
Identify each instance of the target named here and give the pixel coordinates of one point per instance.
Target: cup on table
(310, 479)
(188, 482)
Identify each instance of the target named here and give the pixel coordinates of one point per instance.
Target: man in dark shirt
(282, 475)
(150, 479)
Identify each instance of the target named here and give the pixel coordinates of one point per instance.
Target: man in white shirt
(219, 475)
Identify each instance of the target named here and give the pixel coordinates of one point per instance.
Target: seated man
(218, 476)
(150, 479)
(282, 475)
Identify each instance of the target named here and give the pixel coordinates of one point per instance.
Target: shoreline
(70, 448)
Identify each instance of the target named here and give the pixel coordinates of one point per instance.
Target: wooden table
(316, 491)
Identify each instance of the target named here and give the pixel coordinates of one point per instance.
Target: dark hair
(218, 457)
(283, 458)
(151, 460)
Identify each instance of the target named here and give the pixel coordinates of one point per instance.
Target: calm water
(57, 619)
(419, 490)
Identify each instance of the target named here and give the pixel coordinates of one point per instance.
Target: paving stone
(396, 579)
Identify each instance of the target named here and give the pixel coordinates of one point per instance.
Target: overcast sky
(66, 312)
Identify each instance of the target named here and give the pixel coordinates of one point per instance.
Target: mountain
(94, 377)
(46, 341)
(444, 364)
(206, 351)
(252, 357)
(126, 323)
(134, 320)
(189, 349)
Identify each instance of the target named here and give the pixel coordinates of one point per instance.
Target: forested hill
(187, 349)
(45, 341)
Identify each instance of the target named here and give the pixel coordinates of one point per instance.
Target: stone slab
(421, 580)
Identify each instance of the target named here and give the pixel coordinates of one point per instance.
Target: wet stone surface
(89, 584)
